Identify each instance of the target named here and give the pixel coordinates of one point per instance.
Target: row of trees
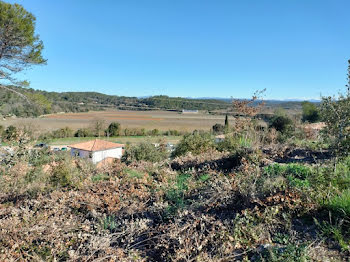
(99, 128)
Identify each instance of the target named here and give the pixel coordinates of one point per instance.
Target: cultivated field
(161, 120)
(62, 142)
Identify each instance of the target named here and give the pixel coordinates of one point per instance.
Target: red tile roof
(96, 145)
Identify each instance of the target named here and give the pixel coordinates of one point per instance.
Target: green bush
(83, 132)
(11, 133)
(310, 112)
(113, 129)
(62, 133)
(145, 151)
(281, 123)
(233, 143)
(218, 129)
(64, 175)
(196, 144)
(335, 113)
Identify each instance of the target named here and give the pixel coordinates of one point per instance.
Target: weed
(176, 195)
(134, 173)
(340, 204)
(337, 231)
(100, 177)
(288, 253)
(204, 178)
(108, 223)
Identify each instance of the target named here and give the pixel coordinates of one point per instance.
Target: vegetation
(196, 143)
(311, 113)
(20, 47)
(145, 151)
(281, 122)
(249, 197)
(113, 129)
(43, 102)
(335, 113)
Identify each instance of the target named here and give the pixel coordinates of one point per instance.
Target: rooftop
(96, 145)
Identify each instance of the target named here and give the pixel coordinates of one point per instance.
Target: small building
(97, 150)
(187, 111)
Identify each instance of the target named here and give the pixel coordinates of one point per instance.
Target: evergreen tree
(226, 122)
(20, 47)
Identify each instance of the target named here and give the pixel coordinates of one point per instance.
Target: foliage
(336, 114)
(218, 129)
(179, 103)
(113, 129)
(62, 132)
(195, 143)
(11, 133)
(281, 123)
(310, 112)
(226, 123)
(98, 127)
(176, 195)
(83, 132)
(145, 151)
(63, 175)
(20, 46)
(340, 203)
(290, 253)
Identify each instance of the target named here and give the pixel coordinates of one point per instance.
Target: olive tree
(336, 114)
(20, 46)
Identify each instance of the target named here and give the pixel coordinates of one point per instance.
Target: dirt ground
(161, 120)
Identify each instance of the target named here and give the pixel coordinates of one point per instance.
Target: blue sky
(193, 48)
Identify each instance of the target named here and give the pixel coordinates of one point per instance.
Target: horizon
(296, 50)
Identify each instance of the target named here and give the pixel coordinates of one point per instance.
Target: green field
(121, 139)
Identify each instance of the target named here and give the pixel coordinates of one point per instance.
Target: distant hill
(42, 102)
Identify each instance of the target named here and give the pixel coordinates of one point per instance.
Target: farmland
(162, 120)
(122, 140)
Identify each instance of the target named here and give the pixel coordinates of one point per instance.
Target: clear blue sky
(193, 48)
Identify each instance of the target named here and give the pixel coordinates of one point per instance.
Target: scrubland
(259, 195)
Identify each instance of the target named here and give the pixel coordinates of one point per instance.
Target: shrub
(336, 114)
(310, 112)
(154, 132)
(281, 123)
(83, 132)
(62, 133)
(113, 129)
(11, 133)
(171, 133)
(218, 129)
(196, 143)
(229, 144)
(145, 151)
(63, 175)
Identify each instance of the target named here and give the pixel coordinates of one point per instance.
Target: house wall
(100, 155)
(79, 152)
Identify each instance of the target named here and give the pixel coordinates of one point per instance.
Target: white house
(97, 150)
